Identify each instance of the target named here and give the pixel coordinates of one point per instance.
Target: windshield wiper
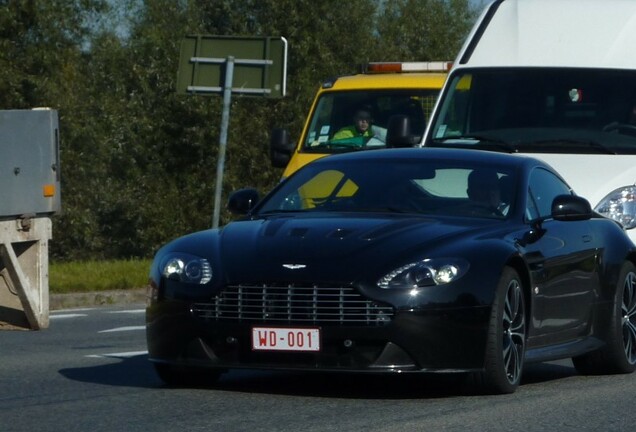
(476, 141)
(601, 148)
(334, 148)
(280, 211)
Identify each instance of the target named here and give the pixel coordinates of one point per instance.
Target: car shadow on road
(138, 372)
(373, 386)
(543, 372)
(135, 371)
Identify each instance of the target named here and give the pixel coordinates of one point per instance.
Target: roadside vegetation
(103, 275)
(138, 161)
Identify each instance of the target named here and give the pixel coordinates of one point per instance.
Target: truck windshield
(346, 120)
(541, 110)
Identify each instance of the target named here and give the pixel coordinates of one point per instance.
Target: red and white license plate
(285, 339)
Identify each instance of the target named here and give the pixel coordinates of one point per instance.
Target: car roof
(426, 153)
(424, 80)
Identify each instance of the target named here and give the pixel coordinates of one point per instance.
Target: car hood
(328, 247)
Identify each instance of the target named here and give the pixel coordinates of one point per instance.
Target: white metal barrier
(24, 273)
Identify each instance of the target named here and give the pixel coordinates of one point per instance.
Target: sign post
(225, 121)
(231, 65)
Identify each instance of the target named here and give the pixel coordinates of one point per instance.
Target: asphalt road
(89, 372)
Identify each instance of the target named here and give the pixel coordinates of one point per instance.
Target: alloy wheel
(628, 312)
(514, 331)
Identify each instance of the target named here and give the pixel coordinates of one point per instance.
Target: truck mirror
(281, 147)
(399, 132)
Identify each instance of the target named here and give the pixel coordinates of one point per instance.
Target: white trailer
(29, 196)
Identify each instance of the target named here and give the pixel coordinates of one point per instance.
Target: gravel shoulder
(97, 298)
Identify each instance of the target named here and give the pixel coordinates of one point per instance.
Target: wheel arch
(519, 265)
(631, 256)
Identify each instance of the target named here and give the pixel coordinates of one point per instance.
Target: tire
(181, 376)
(505, 347)
(618, 356)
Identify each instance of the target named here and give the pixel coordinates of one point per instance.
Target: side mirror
(242, 201)
(399, 132)
(571, 208)
(281, 147)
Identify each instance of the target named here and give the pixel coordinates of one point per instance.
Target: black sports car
(400, 260)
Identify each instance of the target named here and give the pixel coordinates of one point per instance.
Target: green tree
(141, 189)
(42, 52)
(160, 149)
(324, 39)
(40, 43)
(138, 161)
(424, 30)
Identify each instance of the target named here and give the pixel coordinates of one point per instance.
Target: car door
(563, 262)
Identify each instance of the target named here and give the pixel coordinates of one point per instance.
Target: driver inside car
(361, 126)
(484, 189)
(362, 132)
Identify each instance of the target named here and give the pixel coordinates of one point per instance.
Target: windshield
(551, 110)
(345, 120)
(396, 186)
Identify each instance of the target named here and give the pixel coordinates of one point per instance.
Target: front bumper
(448, 339)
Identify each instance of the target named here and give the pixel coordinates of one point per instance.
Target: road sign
(260, 65)
(249, 66)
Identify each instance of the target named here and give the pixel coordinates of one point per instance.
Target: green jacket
(352, 132)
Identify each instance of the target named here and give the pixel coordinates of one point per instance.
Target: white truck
(555, 79)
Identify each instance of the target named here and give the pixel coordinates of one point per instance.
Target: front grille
(280, 303)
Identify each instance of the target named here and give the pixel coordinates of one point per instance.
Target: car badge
(294, 266)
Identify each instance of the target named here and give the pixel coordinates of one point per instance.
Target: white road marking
(131, 311)
(118, 355)
(121, 329)
(65, 316)
(72, 310)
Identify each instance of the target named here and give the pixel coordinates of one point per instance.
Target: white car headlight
(424, 273)
(187, 268)
(620, 205)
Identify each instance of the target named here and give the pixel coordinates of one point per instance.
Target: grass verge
(89, 276)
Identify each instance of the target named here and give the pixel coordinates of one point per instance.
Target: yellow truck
(396, 97)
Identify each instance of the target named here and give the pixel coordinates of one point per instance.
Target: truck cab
(554, 79)
(399, 98)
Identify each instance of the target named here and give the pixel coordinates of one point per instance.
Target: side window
(543, 188)
(453, 118)
(320, 129)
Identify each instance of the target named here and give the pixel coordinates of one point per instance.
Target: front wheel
(505, 348)
(619, 353)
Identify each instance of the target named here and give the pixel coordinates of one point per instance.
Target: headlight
(187, 268)
(620, 205)
(424, 273)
